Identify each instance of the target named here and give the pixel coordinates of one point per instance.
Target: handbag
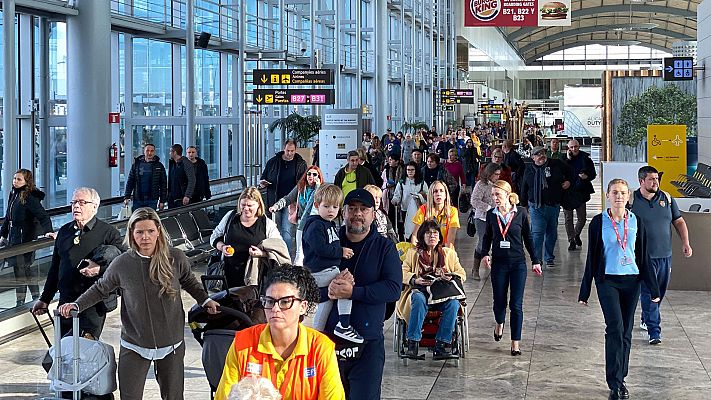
(215, 266)
(125, 213)
(471, 223)
(442, 290)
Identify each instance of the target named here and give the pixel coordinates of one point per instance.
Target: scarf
(539, 183)
(305, 196)
(426, 263)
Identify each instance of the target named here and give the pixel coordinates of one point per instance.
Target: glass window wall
(152, 78)
(159, 135)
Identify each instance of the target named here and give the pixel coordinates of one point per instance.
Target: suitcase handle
(41, 328)
(57, 362)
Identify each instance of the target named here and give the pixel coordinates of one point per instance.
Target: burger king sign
(516, 13)
(485, 10)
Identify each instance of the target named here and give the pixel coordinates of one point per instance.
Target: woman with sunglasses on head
(618, 261)
(507, 233)
(300, 204)
(299, 361)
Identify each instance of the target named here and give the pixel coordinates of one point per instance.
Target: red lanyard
(621, 242)
(508, 224)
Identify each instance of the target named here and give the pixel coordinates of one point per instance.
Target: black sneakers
(571, 245)
(348, 333)
(578, 241)
(441, 352)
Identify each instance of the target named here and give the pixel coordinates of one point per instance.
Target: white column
(382, 100)
(190, 75)
(89, 97)
(10, 151)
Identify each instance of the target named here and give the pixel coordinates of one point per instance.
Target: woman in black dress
(240, 232)
(23, 209)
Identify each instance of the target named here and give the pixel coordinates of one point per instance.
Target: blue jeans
(144, 203)
(650, 311)
(449, 309)
(505, 275)
(544, 226)
(286, 228)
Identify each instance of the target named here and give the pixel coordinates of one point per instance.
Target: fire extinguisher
(113, 155)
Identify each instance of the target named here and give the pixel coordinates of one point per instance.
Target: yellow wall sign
(666, 151)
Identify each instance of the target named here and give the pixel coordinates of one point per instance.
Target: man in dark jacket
(280, 175)
(71, 271)
(583, 172)
(353, 175)
(542, 189)
(371, 278)
(514, 161)
(202, 179)
(373, 171)
(181, 178)
(147, 182)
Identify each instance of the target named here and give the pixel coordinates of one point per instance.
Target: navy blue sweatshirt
(377, 271)
(322, 247)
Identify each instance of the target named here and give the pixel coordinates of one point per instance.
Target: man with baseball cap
(542, 190)
(371, 278)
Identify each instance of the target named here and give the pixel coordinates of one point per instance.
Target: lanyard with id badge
(505, 244)
(624, 260)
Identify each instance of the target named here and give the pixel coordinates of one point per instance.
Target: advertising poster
(583, 121)
(516, 13)
(666, 151)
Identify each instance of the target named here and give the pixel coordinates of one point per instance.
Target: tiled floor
(562, 349)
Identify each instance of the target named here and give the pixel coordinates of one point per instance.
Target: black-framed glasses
(80, 202)
(284, 303)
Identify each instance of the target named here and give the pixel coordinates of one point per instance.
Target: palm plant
(413, 126)
(300, 128)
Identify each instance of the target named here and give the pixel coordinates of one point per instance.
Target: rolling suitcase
(80, 364)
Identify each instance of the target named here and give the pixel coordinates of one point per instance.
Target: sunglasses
(312, 174)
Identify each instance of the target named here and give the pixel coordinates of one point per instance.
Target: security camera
(303, 47)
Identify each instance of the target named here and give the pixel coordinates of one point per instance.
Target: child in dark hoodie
(322, 256)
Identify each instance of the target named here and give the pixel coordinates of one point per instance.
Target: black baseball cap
(361, 196)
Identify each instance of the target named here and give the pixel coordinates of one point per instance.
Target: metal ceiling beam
(623, 9)
(599, 28)
(531, 60)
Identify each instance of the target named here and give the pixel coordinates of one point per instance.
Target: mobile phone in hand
(83, 264)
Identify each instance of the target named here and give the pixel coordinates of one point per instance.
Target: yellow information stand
(666, 151)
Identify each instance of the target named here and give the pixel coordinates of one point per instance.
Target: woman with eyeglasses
(151, 275)
(299, 361)
(497, 157)
(300, 204)
(507, 233)
(410, 195)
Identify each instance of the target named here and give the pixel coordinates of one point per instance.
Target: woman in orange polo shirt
(440, 209)
(299, 361)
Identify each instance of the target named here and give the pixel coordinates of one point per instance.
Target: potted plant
(414, 126)
(301, 129)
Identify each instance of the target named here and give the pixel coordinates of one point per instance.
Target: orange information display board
(666, 151)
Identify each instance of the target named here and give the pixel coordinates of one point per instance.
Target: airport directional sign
(287, 77)
(448, 107)
(678, 69)
(293, 96)
(456, 96)
(491, 108)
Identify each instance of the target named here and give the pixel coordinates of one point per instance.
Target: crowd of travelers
(336, 248)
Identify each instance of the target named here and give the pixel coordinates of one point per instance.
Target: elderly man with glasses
(80, 256)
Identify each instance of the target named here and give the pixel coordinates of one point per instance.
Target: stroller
(239, 309)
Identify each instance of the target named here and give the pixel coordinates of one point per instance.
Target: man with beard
(658, 210)
(371, 278)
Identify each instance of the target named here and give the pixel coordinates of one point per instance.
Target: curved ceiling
(652, 23)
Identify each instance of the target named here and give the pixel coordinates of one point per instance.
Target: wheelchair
(460, 337)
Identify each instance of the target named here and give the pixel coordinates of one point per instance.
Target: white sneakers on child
(348, 333)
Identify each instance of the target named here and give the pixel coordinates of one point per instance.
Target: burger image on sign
(485, 10)
(554, 10)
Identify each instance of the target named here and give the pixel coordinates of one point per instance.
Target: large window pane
(57, 195)
(58, 68)
(152, 79)
(207, 138)
(160, 135)
(207, 83)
